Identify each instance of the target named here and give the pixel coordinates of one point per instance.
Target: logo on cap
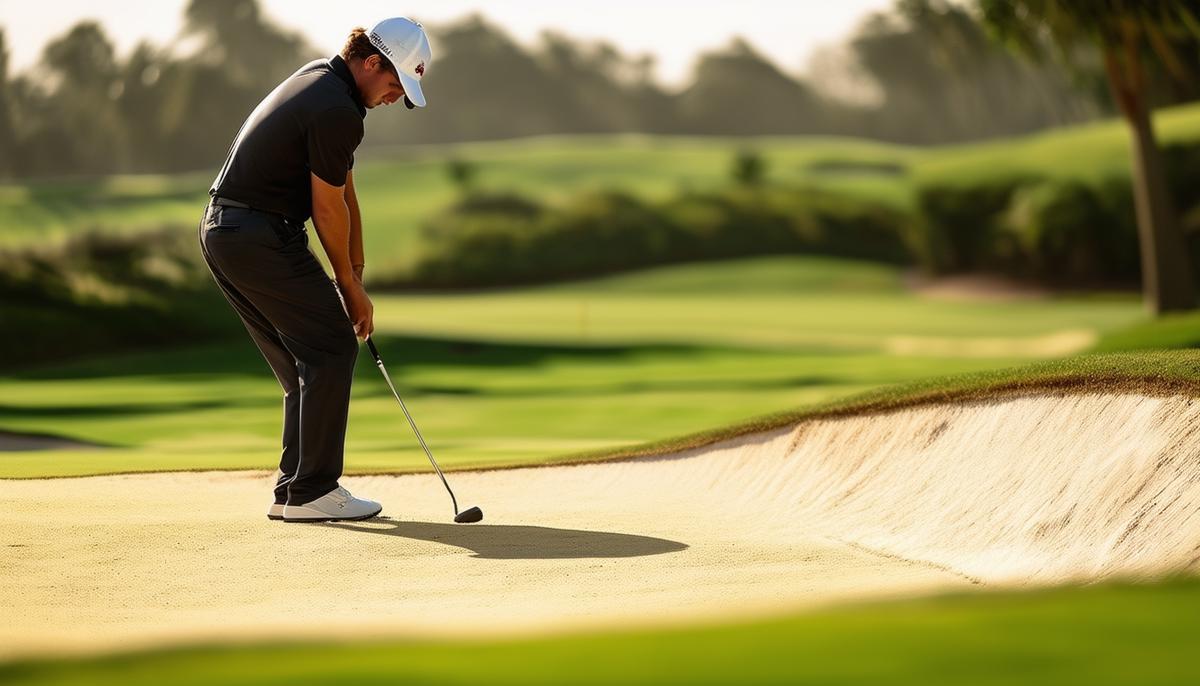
(377, 41)
(420, 69)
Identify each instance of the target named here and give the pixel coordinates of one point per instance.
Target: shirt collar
(339, 67)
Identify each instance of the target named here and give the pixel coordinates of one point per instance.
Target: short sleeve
(333, 136)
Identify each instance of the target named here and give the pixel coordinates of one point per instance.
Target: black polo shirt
(312, 122)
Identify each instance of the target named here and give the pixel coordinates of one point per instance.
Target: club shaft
(379, 363)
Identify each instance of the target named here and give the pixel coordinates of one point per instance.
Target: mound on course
(1031, 489)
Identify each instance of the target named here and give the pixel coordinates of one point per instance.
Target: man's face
(381, 85)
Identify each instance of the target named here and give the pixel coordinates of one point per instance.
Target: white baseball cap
(404, 43)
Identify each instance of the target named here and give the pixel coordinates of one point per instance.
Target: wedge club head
(469, 516)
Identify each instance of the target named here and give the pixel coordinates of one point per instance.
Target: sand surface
(1024, 490)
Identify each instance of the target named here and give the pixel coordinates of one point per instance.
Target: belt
(230, 202)
(227, 202)
(293, 227)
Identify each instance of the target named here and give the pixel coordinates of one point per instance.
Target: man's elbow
(328, 202)
(325, 212)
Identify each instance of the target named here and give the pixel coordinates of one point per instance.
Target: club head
(468, 516)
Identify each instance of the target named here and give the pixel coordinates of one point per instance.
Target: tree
(487, 87)
(141, 105)
(590, 74)
(84, 133)
(738, 91)
(942, 79)
(242, 56)
(8, 136)
(249, 48)
(1129, 34)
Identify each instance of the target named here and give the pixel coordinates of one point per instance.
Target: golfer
(291, 160)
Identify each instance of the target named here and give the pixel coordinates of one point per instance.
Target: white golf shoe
(337, 504)
(276, 511)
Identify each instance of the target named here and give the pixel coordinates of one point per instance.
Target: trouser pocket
(287, 233)
(221, 219)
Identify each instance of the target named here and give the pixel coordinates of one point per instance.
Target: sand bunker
(1023, 490)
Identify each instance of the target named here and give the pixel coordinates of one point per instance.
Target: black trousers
(294, 314)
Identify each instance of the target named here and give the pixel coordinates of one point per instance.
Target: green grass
(1167, 332)
(1110, 634)
(1165, 372)
(1086, 152)
(521, 377)
(399, 187)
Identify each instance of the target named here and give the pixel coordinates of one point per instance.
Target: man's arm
(331, 216)
(356, 240)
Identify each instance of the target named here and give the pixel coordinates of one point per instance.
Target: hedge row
(1051, 230)
(492, 240)
(101, 292)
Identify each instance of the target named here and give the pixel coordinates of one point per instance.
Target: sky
(675, 31)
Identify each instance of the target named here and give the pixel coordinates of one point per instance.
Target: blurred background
(863, 132)
(675, 218)
(614, 222)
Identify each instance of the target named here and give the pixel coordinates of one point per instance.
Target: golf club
(468, 516)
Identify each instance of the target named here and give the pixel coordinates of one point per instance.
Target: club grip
(373, 349)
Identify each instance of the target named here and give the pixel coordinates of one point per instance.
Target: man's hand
(359, 308)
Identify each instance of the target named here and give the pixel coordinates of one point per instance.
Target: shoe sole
(303, 520)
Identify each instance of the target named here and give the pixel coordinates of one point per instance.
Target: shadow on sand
(505, 542)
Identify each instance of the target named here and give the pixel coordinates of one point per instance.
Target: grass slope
(1169, 372)
(1167, 332)
(1111, 634)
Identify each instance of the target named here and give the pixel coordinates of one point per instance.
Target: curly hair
(358, 46)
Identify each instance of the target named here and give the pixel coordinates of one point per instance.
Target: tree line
(930, 70)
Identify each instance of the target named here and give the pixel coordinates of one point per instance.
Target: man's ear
(371, 62)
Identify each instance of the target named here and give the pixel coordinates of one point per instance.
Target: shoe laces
(341, 495)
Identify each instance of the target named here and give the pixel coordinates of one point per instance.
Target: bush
(476, 210)
(100, 292)
(462, 173)
(1067, 233)
(1182, 161)
(485, 243)
(749, 168)
(509, 244)
(1056, 231)
(960, 225)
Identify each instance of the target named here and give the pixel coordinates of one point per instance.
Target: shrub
(960, 225)
(607, 231)
(462, 173)
(100, 292)
(749, 168)
(1182, 161)
(1069, 234)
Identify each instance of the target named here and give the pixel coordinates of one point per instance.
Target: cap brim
(412, 90)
